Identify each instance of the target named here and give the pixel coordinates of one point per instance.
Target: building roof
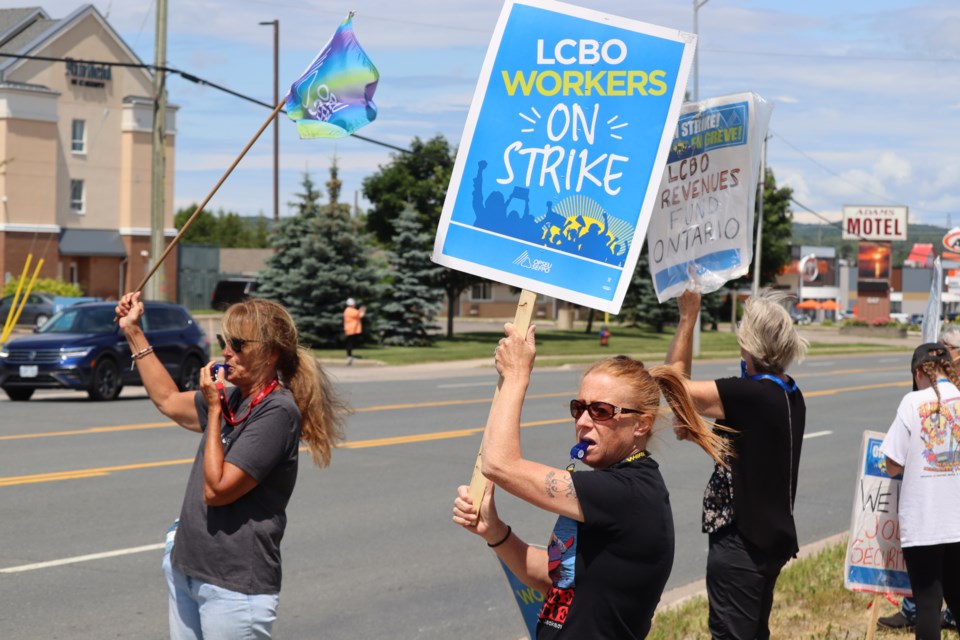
(91, 242)
(25, 31)
(921, 255)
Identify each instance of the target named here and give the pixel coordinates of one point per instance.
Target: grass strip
(810, 603)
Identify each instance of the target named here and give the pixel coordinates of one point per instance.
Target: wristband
(497, 544)
(138, 355)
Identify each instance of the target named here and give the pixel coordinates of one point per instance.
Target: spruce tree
(411, 300)
(640, 305)
(322, 258)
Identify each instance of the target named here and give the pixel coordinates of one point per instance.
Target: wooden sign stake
(525, 306)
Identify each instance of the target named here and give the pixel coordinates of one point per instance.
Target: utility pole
(763, 184)
(157, 288)
(276, 121)
(696, 57)
(695, 347)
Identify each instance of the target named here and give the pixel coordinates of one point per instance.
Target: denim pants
(908, 609)
(199, 610)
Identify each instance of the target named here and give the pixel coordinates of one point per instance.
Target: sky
(866, 92)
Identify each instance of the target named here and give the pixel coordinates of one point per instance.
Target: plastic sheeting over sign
(701, 232)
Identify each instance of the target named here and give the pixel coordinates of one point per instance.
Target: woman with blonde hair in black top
(748, 504)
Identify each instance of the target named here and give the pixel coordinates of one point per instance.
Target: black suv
(81, 348)
(232, 290)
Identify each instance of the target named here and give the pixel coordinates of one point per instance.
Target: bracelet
(138, 355)
(497, 544)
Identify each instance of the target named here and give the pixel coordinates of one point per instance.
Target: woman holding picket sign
(223, 554)
(612, 548)
(922, 445)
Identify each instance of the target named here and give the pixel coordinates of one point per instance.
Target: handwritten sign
(702, 226)
(563, 149)
(874, 560)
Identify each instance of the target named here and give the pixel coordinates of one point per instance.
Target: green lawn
(555, 347)
(810, 602)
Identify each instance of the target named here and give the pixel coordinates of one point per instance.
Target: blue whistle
(216, 368)
(579, 450)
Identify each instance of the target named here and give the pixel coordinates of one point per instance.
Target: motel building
(75, 142)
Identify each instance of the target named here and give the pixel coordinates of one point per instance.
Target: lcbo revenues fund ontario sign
(874, 223)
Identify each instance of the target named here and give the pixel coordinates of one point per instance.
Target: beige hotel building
(75, 148)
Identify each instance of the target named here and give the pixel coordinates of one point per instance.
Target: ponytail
(322, 411)
(673, 387)
(648, 385)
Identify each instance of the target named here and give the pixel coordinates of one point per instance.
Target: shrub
(52, 286)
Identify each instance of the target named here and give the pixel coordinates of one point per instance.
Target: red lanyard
(225, 405)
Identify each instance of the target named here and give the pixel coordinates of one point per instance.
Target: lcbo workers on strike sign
(563, 150)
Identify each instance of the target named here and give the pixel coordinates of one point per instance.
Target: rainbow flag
(334, 96)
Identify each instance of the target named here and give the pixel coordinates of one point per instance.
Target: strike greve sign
(875, 223)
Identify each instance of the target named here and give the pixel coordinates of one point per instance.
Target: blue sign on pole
(563, 150)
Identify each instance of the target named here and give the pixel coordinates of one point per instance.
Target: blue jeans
(908, 608)
(199, 610)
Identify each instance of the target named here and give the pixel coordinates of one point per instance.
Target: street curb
(679, 595)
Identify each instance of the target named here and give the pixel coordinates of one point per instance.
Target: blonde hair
(646, 386)
(767, 333)
(322, 412)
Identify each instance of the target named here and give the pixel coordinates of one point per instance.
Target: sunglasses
(601, 411)
(236, 344)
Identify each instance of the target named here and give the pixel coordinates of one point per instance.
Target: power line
(186, 76)
(859, 187)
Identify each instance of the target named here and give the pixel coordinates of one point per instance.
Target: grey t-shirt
(237, 546)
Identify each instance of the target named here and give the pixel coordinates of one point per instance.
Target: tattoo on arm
(559, 485)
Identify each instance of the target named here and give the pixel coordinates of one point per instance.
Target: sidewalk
(364, 370)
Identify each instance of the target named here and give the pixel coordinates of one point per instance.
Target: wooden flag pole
(210, 195)
(525, 306)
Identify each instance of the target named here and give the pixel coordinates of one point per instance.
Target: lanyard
(789, 388)
(228, 412)
(580, 449)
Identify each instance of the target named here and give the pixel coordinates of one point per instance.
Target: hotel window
(78, 141)
(482, 291)
(76, 196)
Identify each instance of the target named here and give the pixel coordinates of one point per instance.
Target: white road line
(817, 434)
(87, 558)
(820, 363)
(485, 383)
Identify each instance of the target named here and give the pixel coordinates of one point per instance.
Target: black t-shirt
(769, 424)
(237, 546)
(609, 571)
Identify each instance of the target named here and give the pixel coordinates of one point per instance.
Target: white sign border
(673, 114)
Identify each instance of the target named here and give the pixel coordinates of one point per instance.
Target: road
(87, 490)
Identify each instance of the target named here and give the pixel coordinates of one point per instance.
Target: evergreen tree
(321, 259)
(410, 301)
(418, 179)
(640, 305)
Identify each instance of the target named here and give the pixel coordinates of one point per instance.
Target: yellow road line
(865, 387)
(356, 444)
(89, 431)
(450, 403)
(87, 473)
